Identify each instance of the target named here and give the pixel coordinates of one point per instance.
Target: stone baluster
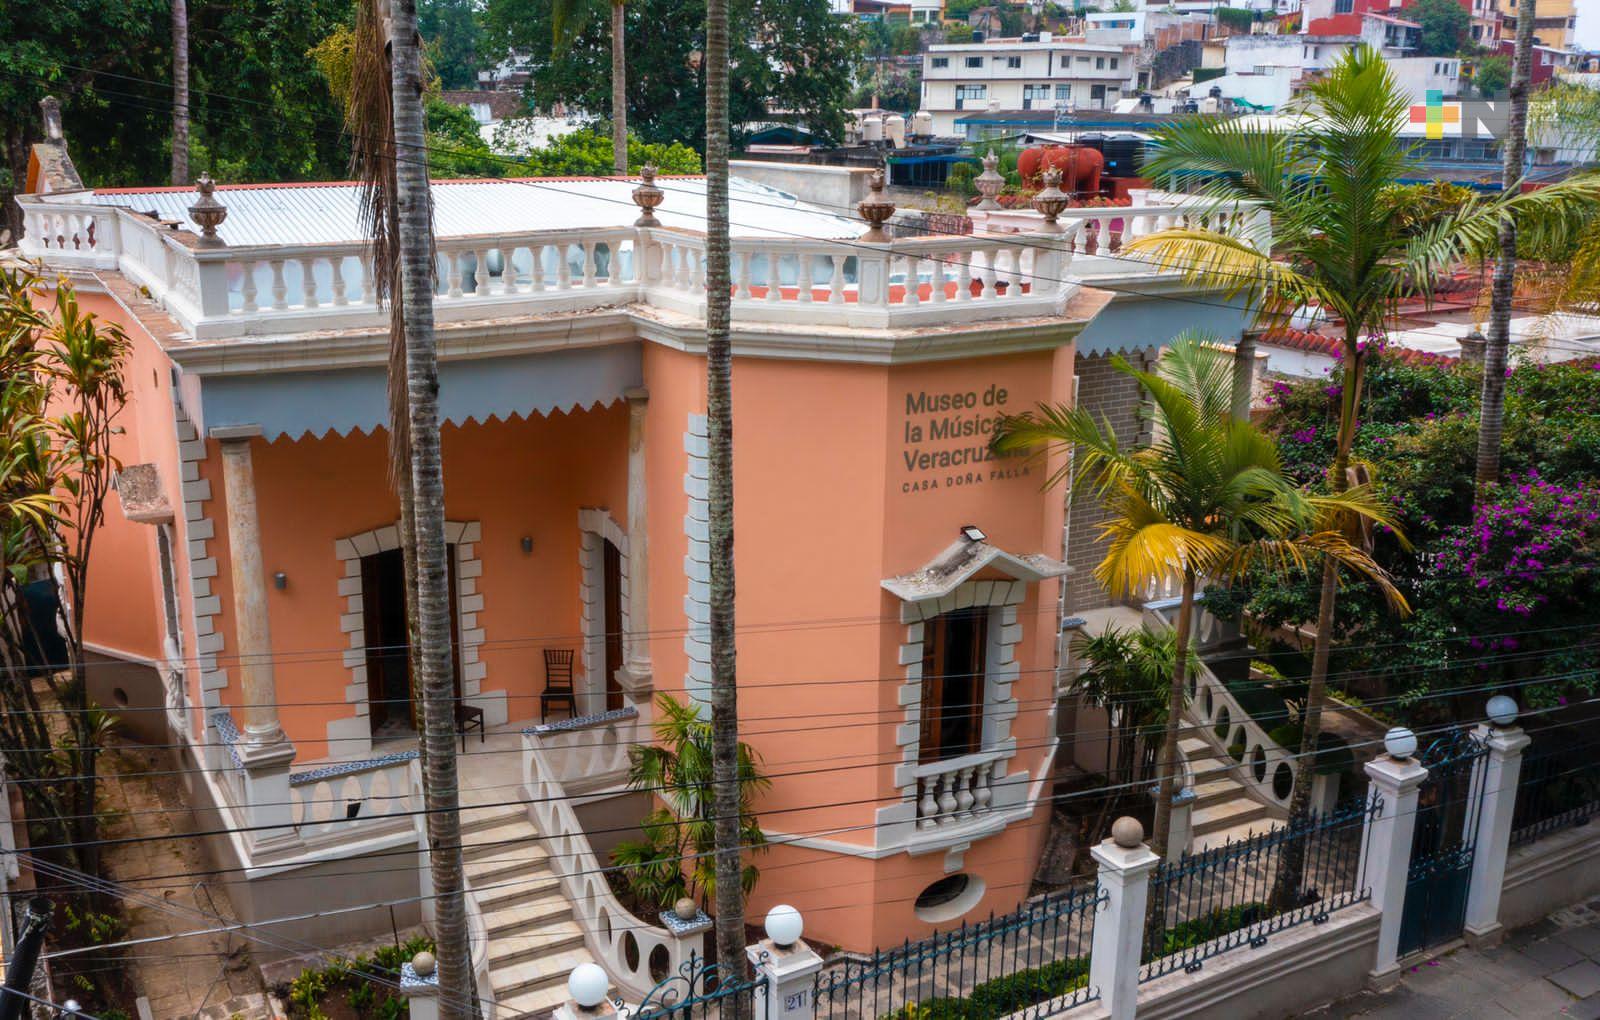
(928, 807)
(774, 290)
(741, 276)
(804, 276)
(990, 273)
(938, 294)
(280, 287)
(308, 282)
(964, 797)
(913, 281)
(982, 792)
(836, 284)
(563, 267)
(247, 286)
(336, 272)
(1102, 237)
(480, 272)
(369, 281)
(947, 796)
(536, 269)
(588, 264)
(964, 277)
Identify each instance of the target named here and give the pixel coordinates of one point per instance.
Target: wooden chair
(467, 717)
(558, 683)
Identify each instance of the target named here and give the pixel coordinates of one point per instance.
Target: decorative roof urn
(647, 196)
(875, 209)
(208, 212)
(1050, 201)
(989, 182)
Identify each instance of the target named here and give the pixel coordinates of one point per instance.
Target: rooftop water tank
(922, 124)
(872, 129)
(894, 127)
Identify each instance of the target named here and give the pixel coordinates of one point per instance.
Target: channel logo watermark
(1469, 118)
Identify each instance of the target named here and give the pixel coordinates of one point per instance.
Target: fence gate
(1442, 846)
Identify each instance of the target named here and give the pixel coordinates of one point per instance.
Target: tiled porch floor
(490, 768)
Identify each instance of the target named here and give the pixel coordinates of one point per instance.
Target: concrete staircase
(534, 942)
(1223, 808)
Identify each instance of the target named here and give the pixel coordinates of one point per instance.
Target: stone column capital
(1123, 864)
(1395, 775)
(1504, 741)
(637, 397)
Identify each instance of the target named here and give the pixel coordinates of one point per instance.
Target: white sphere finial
(1502, 710)
(424, 963)
(588, 984)
(784, 925)
(1400, 742)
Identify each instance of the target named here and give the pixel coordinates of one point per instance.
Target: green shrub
(1002, 995)
(1200, 930)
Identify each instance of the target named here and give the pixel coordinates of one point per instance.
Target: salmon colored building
(901, 592)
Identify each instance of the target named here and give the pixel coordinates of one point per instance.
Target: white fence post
(419, 983)
(789, 966)
(1125, 864)
(1386, 849)
(1495, 779)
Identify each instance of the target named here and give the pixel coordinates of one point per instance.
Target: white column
(1125, 864)
(1495, 778)
(1180, 827)
(1244, 373)
(1386, 851)
(635, 675)
(789, 971)
(265, 753)
(252, 633)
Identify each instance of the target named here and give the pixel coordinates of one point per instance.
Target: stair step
(558, 936)
(492, 868)
(527, 914)
(504, 838)
(1226, 815)
(1235, 834)
(1217, 790)
(477, 819)
(510, 889)
(1195, 746)
(537, 1000)
(540, 971)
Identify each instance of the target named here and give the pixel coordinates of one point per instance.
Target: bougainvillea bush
(1502, 595)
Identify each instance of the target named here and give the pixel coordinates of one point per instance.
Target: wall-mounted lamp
(972, 533)
(527, 545)
(280, 580)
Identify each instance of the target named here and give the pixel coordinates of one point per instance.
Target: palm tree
(567, 18)
(1127, 673)
(180, 92)
(1207, 500)
(1492, 403)
(385, 117)
(719, 428)
(1339, 246)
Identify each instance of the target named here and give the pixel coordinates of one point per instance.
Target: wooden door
(954, 684)
(611, 593)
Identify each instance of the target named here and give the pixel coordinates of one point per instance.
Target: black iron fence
(697, 992)
(1033, 961)
(1559, 788)
(1240, 893)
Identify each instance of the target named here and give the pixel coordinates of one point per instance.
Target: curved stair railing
(634, 953)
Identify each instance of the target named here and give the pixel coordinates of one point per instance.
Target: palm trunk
(1169, 767)
(1491, 410)
(431, 657)
(719, 425)
(619, 91)
(1292, 865)
(180, 92)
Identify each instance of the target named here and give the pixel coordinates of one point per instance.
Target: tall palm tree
(1339, 247)
(180, 92)
(567, 18)
(388, 145)
(1207, 500)
(1492, 403)
(719, 428)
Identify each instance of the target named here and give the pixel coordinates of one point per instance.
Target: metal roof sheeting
(323, 213)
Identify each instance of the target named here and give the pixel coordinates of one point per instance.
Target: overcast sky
(1588, 24)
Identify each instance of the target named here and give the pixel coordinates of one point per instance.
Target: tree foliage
(587, 153)
(450, 29)
(1446, 27)
(674, 858)
(787, 55)
(1491, 76)
(61, 391)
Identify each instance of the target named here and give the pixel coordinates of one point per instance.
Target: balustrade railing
(340, 797)
(955, 791)
(1264, 765)
(634, 952)
(908, 282)
(588, 753)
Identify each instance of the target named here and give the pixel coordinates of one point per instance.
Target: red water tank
(1080, 168)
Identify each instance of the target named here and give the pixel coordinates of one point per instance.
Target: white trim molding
(595, 526)
(198, 530)
(351, 736)
(697, 561)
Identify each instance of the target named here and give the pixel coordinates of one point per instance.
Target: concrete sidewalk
(1545, 971)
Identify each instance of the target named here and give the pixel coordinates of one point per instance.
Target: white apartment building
(1011, 74)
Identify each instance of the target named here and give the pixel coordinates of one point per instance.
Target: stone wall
(1108, 395)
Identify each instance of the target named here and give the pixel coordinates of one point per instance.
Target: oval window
(949, 898)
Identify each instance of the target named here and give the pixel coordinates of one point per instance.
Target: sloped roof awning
(961, 561)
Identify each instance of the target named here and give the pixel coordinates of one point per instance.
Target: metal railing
(1033, 961)
(1558, 789)
(1209, 903)
(696, 990)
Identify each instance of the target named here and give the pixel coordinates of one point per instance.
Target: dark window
(954, 657)
(612, 584)
(943, 891)
(941, 61)
(383, 604)
(974, 61)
